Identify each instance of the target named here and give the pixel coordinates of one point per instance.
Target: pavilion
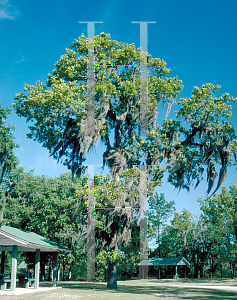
(166, 261)
(18, 240)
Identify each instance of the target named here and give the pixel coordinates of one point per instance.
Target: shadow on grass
(148, 288)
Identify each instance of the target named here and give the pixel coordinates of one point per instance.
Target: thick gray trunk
(112, 276)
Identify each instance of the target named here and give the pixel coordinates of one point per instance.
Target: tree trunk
(221, 268)
(112, 276)
(64, 266)
(195, 265)
(59, 272)
(231, 270)
(212, 271)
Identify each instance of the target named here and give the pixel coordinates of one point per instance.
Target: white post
(37, 268)
(14, 267)
(176, 272)
(55, 256)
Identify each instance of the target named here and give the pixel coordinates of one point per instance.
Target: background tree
(57, 209)
(51, 207)
(208, 242)
(219, 212)
(128, 259)
(159, 212)
(8, 160)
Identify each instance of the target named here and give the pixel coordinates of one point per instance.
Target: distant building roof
(26, 241)
(165, 261)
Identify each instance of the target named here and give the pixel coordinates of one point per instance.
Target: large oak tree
(199, 138)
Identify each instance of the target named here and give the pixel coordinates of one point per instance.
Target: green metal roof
(25, 239)
(164, 261)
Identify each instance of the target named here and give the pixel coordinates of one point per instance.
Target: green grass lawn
(134, 289)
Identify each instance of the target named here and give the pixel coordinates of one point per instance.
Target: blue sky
(197, 39)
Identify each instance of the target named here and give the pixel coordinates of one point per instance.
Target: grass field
(134, 289)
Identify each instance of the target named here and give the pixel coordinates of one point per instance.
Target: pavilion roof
(165, 261)
(26, 241)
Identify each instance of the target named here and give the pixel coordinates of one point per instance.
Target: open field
(136, 289)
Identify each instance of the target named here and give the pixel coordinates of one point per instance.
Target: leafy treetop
(200, 137)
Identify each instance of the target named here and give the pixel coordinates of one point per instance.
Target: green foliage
(112, 256)
(219, 213)
(103, 260)
(209, 138)
(8, 160)
(57, 208)
(127, 259)
(176, 237)
(60, 108)
(207, 242)
(160, 210)
(78, 265)
(50, 207)
(43, 204)
(128, 265)
(221, 208)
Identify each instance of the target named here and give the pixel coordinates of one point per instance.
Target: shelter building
(166, 261)
(18, 240)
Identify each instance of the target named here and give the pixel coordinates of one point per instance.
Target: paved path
(22, 291)
(213, 287)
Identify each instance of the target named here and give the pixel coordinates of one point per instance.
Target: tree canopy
(159, 212)
(8, 160)
(56, 208)
(208, 241)
(200, 137)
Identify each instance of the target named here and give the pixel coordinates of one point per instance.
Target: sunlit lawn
(134, 289)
